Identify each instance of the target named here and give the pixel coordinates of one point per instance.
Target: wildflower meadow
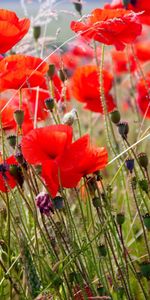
(74, 150)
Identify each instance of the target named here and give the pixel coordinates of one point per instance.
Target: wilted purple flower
(44, 202)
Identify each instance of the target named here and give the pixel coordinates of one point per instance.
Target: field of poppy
(74, 158)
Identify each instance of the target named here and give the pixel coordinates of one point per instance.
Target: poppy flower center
(133, 2)
(4, 169)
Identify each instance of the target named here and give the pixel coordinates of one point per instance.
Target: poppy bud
(19, 117)
(115, 116)
(44, 203)
(63, 75)
(51, 70)
(12, 140)
(123, 129)
(49, 103)
(146, 219)
(145, 269)
(58, 202)
(143, 160)
(69, 118)
(36, 32)
(120, 218)
(96, 202)
(78, 6)
(16, 172)
(130, 164)
(102, 250)
(143, 183)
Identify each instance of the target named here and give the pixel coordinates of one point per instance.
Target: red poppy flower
(46, 143)
(135, 5)
(19, 71)
(142, 50)
(6, 179)
(63, 162)
(121, 62)
(81, 159)
(12, 30)
(143, 99)
(86, 88)
(111, 27)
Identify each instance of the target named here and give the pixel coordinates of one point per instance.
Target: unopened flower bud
(12, 140)
(36, 32)
(49, 103)
(120, 218)
(123, 129)
(146, 220)
(51, 70)
(19, 117)
(115, 116)
(130, 164)
(69, 118)
(44, 203)
(143, 160)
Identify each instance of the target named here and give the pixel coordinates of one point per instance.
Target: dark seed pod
(145, 269)
(36, 32)
(130, 164)
(102, 250)
(96, 202)
(78, 6)
(120, 218)
(123, 129)
(146, 219)
(49, 103)
(19, 117)
(12, 140)
(51, 70)
(63, 74)
(58, 202)
(143, 183)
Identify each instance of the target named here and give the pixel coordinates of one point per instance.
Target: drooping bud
(143, 160)
(49, 103)
(12, 140)
(36, 32)
(44, 203)
(16, 172)
(130, 164)
(19, 117)
(115, 116)
(51, 70)
(120, 218)
(123, 129)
